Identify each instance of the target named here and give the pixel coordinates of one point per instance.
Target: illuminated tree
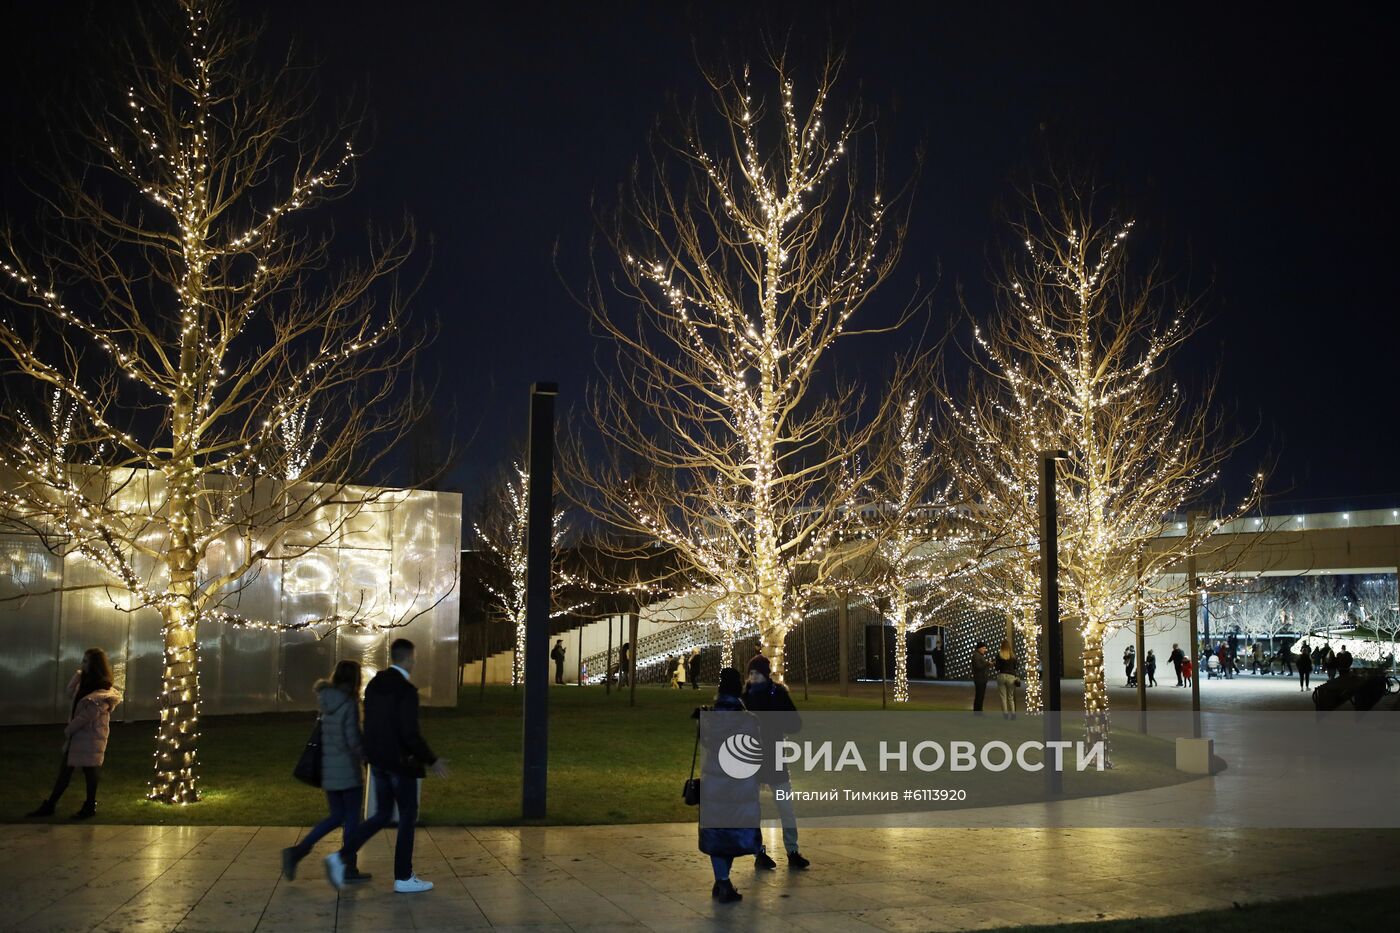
(740, 271)
(924, 553)
(996, 433)
(1318, 604)
(190, 343)
(1376, 600)
(1079, 345)
(503, 533)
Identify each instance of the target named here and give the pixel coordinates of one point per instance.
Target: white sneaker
(335, 870)
(412, 886)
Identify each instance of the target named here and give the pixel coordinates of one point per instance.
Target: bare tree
(924, 552)
(1317, 604)
(1376, 599)
(742, 266)
(503, 532)
(996, 432)
(213, 385)
(1078, 350)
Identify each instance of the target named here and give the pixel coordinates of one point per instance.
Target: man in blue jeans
(398, 757)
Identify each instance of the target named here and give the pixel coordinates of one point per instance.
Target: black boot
(45, 809)
(88, 811)
(764, 862)
(724, 892)
(289, 863)
(795, 860)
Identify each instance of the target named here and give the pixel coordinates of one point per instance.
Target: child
(1186, 669)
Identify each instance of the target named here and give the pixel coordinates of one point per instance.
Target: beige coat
(90, 725)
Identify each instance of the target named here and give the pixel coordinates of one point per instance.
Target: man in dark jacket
(981, 673)
(558, 655)
(1176, 657)
(398, 756)
(777, 716)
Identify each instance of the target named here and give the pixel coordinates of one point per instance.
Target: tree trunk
(726, 647)
(517, 671)
(1030, 667)
(1095, 690)
(901, 649)
(771, 645)
(177, 735)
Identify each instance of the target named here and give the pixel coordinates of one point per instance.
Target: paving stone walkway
(134, 879)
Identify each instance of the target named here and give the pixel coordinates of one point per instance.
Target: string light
(738, 484)
(234, 440)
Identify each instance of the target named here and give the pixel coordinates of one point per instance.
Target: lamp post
(539, 547)
(1050, 610)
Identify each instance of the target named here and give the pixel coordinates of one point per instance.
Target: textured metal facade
(395, 559)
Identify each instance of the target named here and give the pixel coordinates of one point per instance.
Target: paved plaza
(133, 879)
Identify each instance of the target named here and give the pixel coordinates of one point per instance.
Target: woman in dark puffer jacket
(729, 813)
(342, 765)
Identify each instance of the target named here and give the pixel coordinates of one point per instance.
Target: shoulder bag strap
(694, 755)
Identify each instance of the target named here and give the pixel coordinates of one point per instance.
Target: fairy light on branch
(211, 151)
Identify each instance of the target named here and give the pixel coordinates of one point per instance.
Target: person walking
(1149, 668)
(1343, 662)
(558, 654)
(398, 757)
(1176, 657)
(1186, 672)
(981, 673)
(1329, 661)
(1286, 656)
(692, 668)
(342, 767)
(85, 736)
(1305, 667)
(682, 662)
(735, 798)
(1006, 679)
(1129, 662)
(938, 659)
(777, 716)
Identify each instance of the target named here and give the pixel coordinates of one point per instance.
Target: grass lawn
(1327, 913)
(609, 763)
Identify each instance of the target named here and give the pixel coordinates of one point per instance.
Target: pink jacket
(87, 731)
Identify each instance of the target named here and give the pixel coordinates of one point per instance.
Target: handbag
(690, 793)
(308, 769)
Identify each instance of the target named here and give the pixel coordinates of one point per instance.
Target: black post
(884, 664)
(843, 647)
(607, 663)
(578, 669)
(1050, 610)
(806, 680)
(539, 546)
(485, 648)
(1141, 647)
(632, 624)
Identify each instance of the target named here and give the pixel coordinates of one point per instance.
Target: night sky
(1246, 143)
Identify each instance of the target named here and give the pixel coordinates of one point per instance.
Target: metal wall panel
(394, 558)
(29, 666)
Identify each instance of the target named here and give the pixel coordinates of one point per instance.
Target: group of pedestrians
(397, 756)
(1005, 668)
(736, 698)
(1149, 667)
(684, 668)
